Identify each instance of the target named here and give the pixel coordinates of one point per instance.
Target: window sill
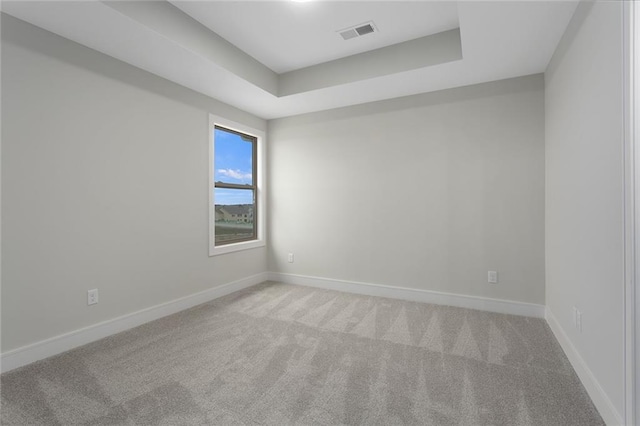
(231, 248)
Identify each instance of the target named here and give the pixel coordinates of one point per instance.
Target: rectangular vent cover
(358, 31)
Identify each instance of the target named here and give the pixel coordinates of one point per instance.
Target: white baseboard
(58, 344)
(415, 295)
(600, 399)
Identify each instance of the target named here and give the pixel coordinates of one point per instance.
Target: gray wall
(104, 185)
(427, 192)
(584, 192)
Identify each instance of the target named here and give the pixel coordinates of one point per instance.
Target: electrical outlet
(92, 296)
(577, 319)
(579, 322)
(492, 277)
(290, 258)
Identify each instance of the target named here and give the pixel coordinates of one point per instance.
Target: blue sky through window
(233, 164)
(233, 196)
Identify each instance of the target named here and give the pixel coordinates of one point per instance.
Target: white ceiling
(290, 35)
(240, 52)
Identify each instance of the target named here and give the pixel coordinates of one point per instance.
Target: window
(234, 175)
(235, 211)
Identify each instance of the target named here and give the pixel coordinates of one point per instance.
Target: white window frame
(261, 219)
(631, 31)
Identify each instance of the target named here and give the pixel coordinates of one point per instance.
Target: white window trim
(260, 192)
(631, 31)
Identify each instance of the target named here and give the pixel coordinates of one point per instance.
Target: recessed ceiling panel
(289, 35)
(499, 39)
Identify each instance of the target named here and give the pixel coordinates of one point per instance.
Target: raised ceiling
(276, 59)
(286, 36)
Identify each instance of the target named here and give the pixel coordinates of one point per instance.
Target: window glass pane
(233, 156)
(234, 214)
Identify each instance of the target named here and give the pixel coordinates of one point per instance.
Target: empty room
(319, 212)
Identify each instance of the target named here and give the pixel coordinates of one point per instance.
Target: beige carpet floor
(277, 354)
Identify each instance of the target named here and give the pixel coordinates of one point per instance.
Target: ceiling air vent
(358, 31)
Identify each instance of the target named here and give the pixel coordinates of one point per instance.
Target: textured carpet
(281, 355)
